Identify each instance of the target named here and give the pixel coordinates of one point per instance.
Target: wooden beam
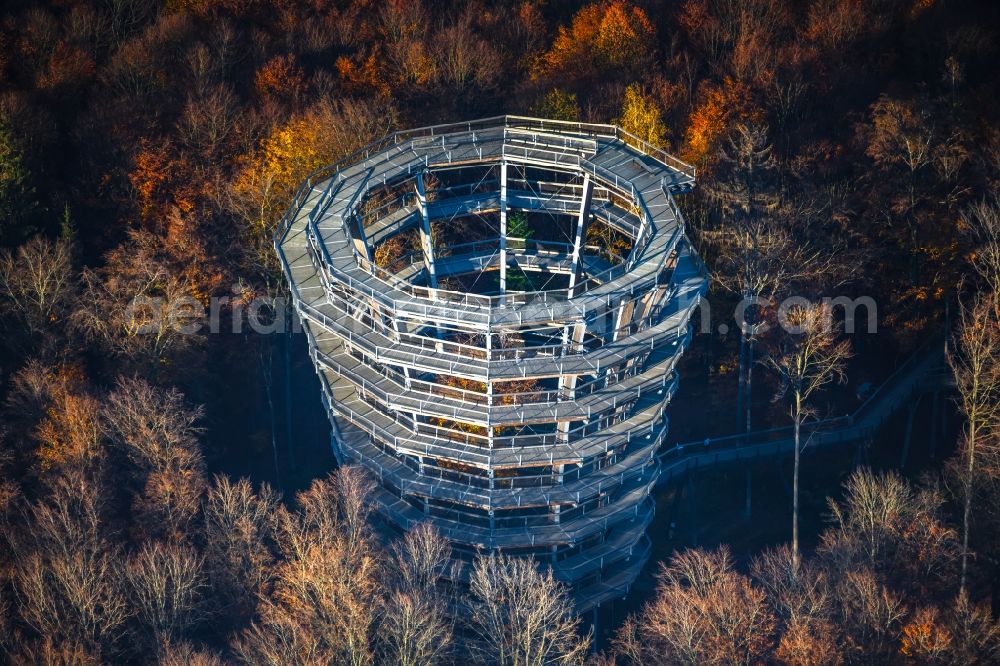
(581, 222)
(426, 243)
(361, 245)
(568, 382)
(503, 227)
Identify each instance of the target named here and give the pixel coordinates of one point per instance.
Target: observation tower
(495, 310)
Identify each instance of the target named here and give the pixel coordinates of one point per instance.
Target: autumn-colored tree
(521, 616)
(239, 546)
(810, 643)
(280, 79)
(166, 586)
(404, 27)
(641, 117)
(925, 638)
(157, 432)
(706, 125)
(624, 36)
(70, 436)
(270, 175)
(140, 306)
(558, 104)
(885, 526)
(605, 37)
(703, 612)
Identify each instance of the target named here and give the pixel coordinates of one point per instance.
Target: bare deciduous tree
(807, 357)
(795, 592)
(339, 507)
(884, 526)
(703, 612)
(322, 610)
(37, 284)
(157, 431)
(420, 558)
(186, 654)
(238, 534)
(73, 597)
(975, 364)
(801, 598)
(983, 218)
(975, 633)
(521, 616)
(53, 652)
(166, 586)
(871, 615)
(415, 626)
(415, 630)
(138, 305)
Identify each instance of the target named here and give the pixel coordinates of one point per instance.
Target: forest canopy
(153, 507)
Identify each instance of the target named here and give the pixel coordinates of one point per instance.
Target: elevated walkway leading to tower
(925, 368)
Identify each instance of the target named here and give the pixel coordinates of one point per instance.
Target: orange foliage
(625, 35)
(710, 120)
(70, 434)
(68, 67)
(707, 123)
(694, 17)
(148, 176)
(168, 200)
(607, 35)
(919, 7)
(809, 642)
(280, 78)
(162, 180)
(924, 638)
(833, 23)
(361, 78)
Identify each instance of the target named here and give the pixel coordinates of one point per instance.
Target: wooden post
(581, 223)
(503, 227)
(426, 242)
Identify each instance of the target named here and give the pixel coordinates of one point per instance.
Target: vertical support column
(581, 222)
(335, 438)
(361, 246)
(489, 392)
(568, 382)
(623, 317)
(425, 231)
(503, 227)
(650, 301)
(399, 327)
